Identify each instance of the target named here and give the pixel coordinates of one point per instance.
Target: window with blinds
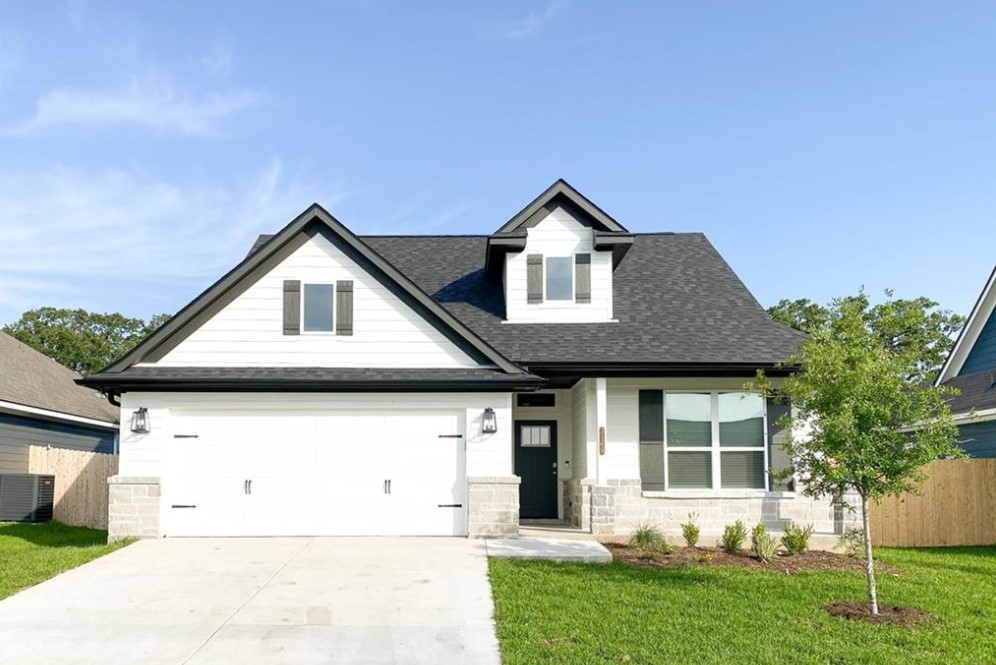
(702, 440)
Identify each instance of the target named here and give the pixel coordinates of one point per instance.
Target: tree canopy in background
(82, 341)
(912, 327)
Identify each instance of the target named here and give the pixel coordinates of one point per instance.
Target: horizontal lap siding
(17, 433)
(558, 234)
(983, 354)
(978, 439)
(249, 331)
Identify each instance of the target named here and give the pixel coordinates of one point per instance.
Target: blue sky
(820, 146)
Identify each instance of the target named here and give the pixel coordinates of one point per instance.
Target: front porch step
(552, 529)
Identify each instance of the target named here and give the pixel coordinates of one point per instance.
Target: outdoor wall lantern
(140, 421)
(489, 422)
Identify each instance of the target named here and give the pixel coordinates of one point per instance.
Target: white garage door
(315, 473)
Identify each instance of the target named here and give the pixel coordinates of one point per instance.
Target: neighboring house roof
(31, 379)
(982, 314)
(971, 365)
(978, 392)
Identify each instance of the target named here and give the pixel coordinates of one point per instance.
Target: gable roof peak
(562, 194)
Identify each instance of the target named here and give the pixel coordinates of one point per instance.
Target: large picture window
(704, 440)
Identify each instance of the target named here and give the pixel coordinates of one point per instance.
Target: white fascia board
(13, 407)
(970, 333)
(980, 416)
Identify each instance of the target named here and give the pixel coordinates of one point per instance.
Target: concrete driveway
(261, 600)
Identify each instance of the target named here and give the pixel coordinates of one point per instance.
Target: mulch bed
(903, 616)
(716, 557)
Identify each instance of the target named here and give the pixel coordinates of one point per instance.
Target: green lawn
(32, 553)
(575, 613)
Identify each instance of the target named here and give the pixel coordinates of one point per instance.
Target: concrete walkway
(584, 551)
(266, 600)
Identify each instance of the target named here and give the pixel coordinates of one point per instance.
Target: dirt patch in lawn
(716, 557)
(903, 616)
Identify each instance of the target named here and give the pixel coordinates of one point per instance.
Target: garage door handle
(450, 505)
(183, 505)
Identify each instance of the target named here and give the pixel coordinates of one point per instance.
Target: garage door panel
(320, 473)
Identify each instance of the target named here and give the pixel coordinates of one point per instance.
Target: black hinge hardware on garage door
(451, 436)
(450, 505)
(185, 436)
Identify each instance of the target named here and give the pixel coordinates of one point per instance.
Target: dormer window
(560, 278)
(317, 311)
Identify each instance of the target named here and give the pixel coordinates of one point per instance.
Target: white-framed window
(535, 436)
(317, 308)
(559, 278)
(703, 440)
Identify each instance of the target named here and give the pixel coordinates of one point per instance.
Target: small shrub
(762, 543)
(649, 541)
(734, 536)
(796, 538)
(690, 530)
(852, 541)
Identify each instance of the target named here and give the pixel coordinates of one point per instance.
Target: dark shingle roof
(675, 298)
(978, 391)
(31, 378)
(303, 376)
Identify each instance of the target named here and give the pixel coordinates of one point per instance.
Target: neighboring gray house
(971, 367)
(560, 368)
(40, 404)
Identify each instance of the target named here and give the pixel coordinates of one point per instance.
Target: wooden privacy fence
(80, 483)
(957, 507)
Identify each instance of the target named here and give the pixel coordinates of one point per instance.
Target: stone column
(132, 507)
(493, 510)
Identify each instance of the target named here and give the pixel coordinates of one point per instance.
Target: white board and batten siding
(248, 332)
(558, 235)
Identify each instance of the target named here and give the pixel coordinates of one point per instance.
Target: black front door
(536, 465)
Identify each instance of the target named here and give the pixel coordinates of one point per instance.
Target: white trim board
(17, 409)
(981, 312)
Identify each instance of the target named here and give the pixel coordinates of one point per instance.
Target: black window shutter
(344, 307)
(652, 439)
(292, 307)
(534, 278)
(582, 278)
(778, 436)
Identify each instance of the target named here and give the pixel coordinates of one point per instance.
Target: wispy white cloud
(530, 25)
(151, 101)
(64, 228)
(219, 61)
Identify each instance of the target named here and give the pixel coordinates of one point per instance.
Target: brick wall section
(577, 503)
(621, 506)
(493, 510)
(133, 507)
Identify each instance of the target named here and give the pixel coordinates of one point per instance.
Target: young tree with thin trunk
(872, 422)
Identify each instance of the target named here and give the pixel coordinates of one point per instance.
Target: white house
(561, 368)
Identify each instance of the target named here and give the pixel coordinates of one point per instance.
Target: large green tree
(916, 325)
(870, 421)
(83, 341)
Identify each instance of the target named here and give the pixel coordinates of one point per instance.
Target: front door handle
(245, 486)
(250, 486)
